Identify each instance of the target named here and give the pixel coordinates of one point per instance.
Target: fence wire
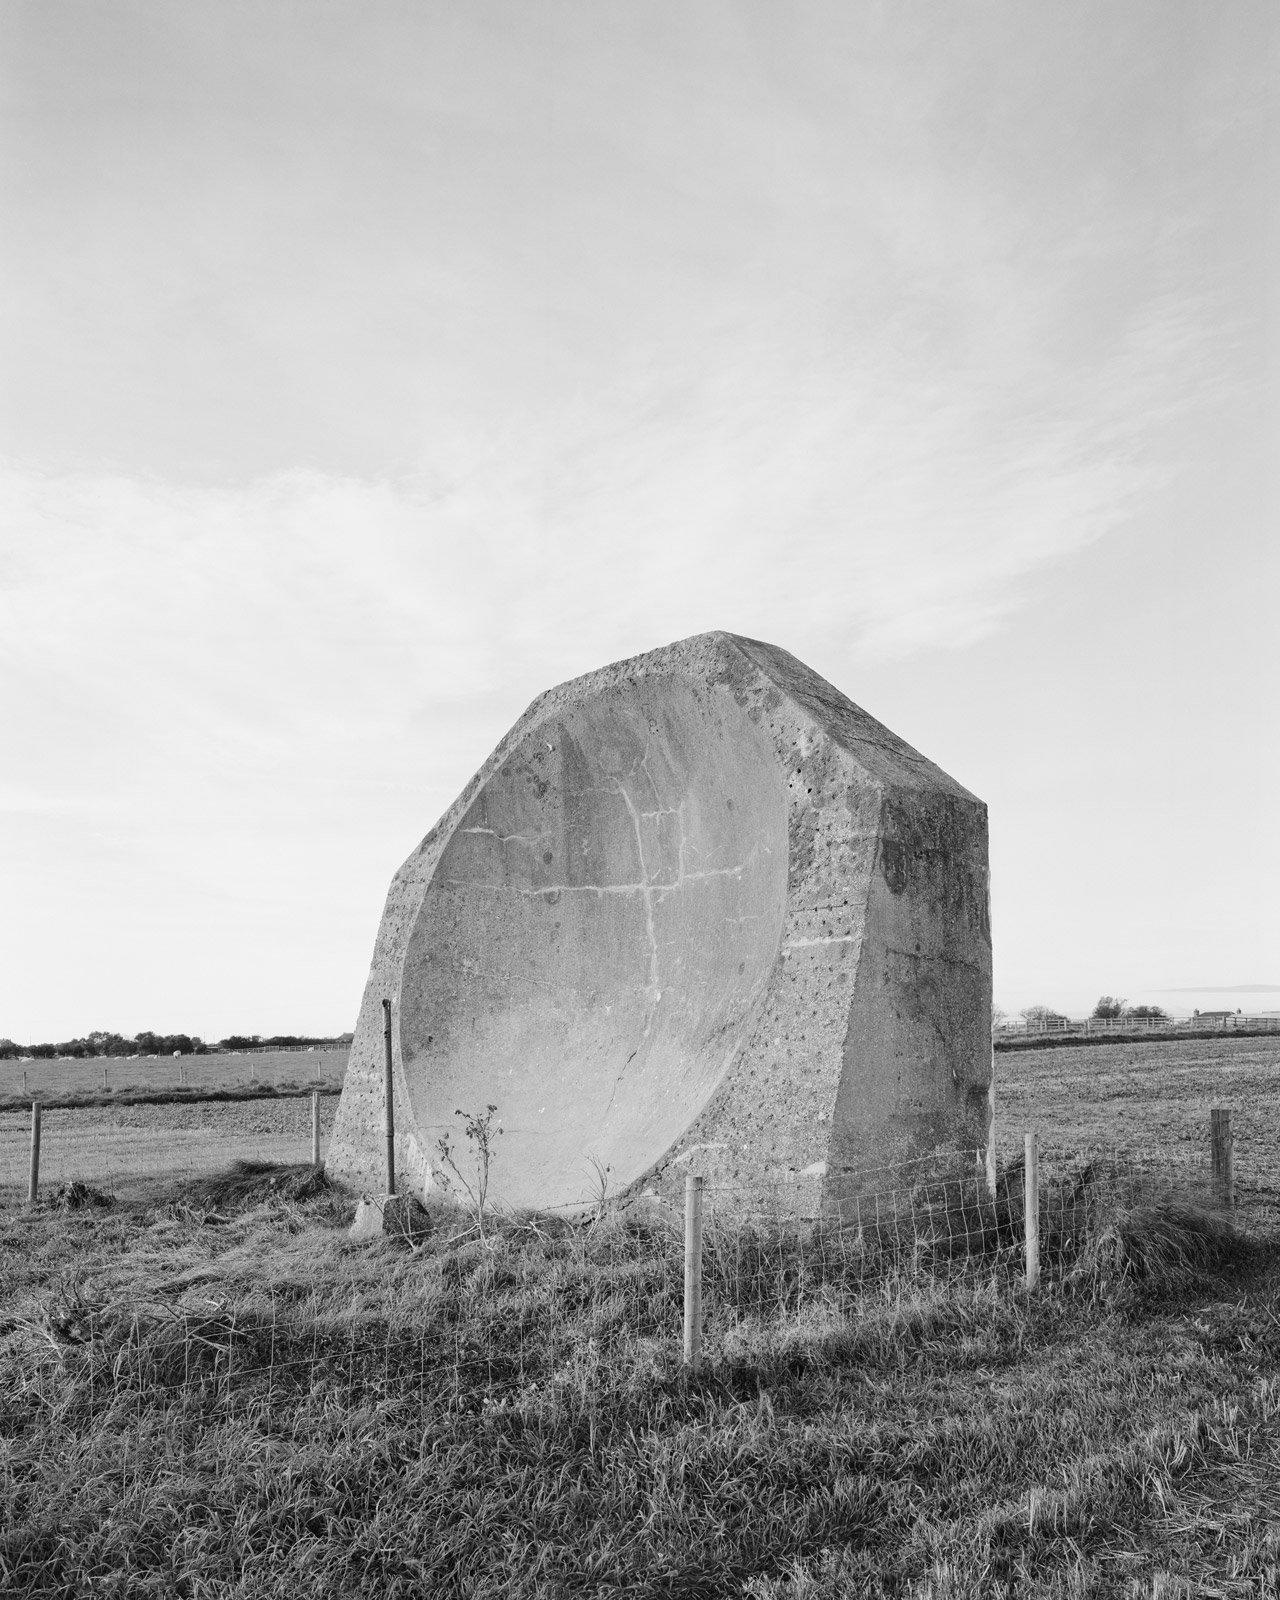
(775, 1259)
(533, 1304)
(522, 1311)
(515, 1330)
(121, 1150)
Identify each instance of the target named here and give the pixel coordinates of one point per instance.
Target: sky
(367, 368)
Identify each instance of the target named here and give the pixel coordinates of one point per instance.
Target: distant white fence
(300, 1049)
(1213, 1022)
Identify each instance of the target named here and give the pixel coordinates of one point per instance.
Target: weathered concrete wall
(697, 912)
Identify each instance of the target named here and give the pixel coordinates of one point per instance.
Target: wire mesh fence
(122, 1149)
(772, 1255)
(543, 1306)
(519, 1303)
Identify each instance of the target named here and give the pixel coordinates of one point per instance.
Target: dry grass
(1158, 1249)
(215, 1393)
(253, 1183)
(207, 1390)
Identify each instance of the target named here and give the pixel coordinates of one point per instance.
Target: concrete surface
(697, 912)
(395, 1216)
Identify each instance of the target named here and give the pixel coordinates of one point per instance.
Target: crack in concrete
(608, 1105)
(917, 955)
(530, 840)
(647, 888)
(653, 991)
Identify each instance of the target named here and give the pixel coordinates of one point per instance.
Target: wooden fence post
(33, 1180)
(104, 1074)
(315, 1127)
(1031, 1210)
(389, 1112)
(1222, 1158)
(692, 1272)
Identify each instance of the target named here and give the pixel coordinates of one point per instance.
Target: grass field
(104, 1079)
(208, 1390)
(153, 1120)
(1152, 1097)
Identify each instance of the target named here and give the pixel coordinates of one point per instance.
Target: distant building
(1215, 1019)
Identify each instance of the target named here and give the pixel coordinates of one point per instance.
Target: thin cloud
(368, 378)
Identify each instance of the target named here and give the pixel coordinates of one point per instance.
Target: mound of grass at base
(77, 1196)
(249, 1183)
(1166, 1248)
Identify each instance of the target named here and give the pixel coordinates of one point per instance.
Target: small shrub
(481, 1135)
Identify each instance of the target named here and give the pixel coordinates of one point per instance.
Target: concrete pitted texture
(697, 912)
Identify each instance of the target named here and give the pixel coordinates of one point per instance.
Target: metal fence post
(389, 1113)
(315, 1127)
(33, 1180)
(1031, 1210)
(692, 1272)
(1222, 1157)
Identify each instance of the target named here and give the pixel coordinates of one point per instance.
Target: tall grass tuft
(1159, 1248)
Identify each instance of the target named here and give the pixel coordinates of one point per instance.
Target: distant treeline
(162, 1044)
